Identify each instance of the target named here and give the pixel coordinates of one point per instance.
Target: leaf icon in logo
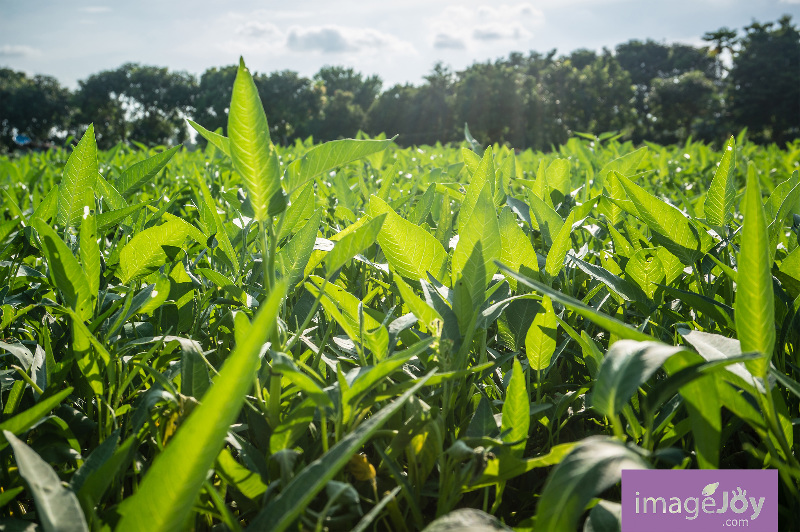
(710, 489)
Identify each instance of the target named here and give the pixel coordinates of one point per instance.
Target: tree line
(645, 89)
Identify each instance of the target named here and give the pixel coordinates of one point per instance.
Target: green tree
(682, 105)
(292, 103)
(337, 78)
(765, 81)
(37, 107)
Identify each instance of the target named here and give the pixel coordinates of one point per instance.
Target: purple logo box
(699, 500)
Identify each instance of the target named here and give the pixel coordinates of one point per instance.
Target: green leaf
(144, 253)
(593, 465)
(410, 250)
(669, 226)
(516, 417)
(237, 475)
(110, 195)
(627, 365)
(478, 247)
(343, 306)
(108, 219)
(171, 485)
(354, 243)
(718, 208)
(646, 269)
(25, 420)
(90, 254)
(254, 156)
(67, 274)
(301, 490)
(617, 285)
(506, 467)
(548, 221)
(137, 175)
(294, 256)
(328, 156)
(754, 304)
(557, 176)
(562, 243)
(76, 190)
(286, 367)
(625, 165)
(604, 517)
(484, 174)
(219, 229)
(56, 506)
(516, 250)
(221, 142)
(540, 342)
(48, 207)
(620, 329)
(426, 314)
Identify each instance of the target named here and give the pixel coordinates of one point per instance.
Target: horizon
(398, 43)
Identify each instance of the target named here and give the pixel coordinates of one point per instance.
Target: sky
(399, 41)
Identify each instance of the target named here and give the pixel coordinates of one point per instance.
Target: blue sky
(399, 41)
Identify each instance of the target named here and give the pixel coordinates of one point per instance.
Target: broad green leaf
(108, 219)
(669, 226)
(593, 465)
(98, 480)
(718, 208)
(484, 174)
(426, 314)
(67, 274)
(171, 485)
(754, 304)
(110, 195)
(558, 180)
(99, 456)
(144, 253)
(471, 160)
(76, 190)
(625, 165)
(627, 365)
(195, 380)
(354, 243)
(220, 233)
(516, 250)
(604, 517)
(294, 256)
(646, 269)
(562, 243)
(548, 221)
(620, 329)
(237, 475)
(540, 342)
(279, 514)
(328, 156)
(57, 507)
(615, 283)
(254, 156)
(25, 420)
(301, 208)
(410, 250)
(478, 247)
(137, 175)
(220, 141)
(286, 367)
(343, 306)
(48, 207)
(516, 417)
(90, 254)
(506, 467)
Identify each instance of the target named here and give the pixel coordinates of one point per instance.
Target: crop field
(355, 336)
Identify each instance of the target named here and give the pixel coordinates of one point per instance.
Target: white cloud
(457, 26)
(18, 50)
(337, 39)
(95, 9)
(250, 32)
(445, 41)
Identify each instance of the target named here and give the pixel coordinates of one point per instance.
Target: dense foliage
(648, 90)
(359, 336)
